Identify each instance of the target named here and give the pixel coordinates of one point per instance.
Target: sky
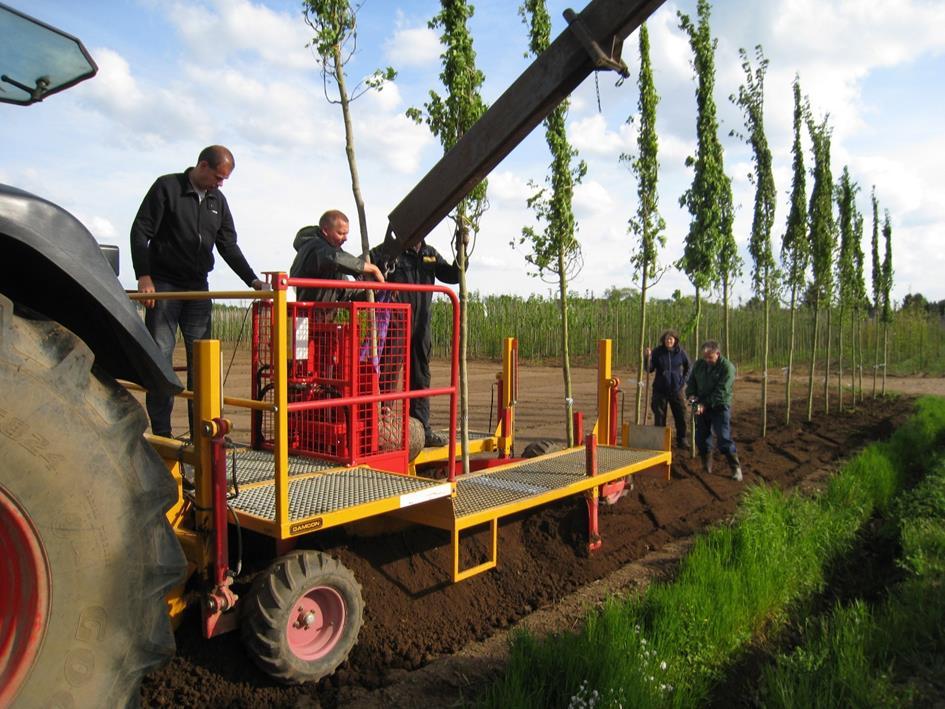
(177, 75)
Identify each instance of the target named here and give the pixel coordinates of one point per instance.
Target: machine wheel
(541, 447)
(88, 555)
(416, 437)
(302, 617)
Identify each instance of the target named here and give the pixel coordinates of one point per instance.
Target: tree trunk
(641, 370)
(875, 352)
(813, 359)
(726, 315)
(461, 230)
(840, 362)
(827, 360)
(697, 344)
(790, 361)
(764, 366)
(565, 350)
(854, 352)
(885, 355)
(859, 346)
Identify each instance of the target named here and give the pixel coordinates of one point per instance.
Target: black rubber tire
(96, 493)
(541, 447)
(271, 600)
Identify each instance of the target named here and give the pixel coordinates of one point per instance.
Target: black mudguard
(52, 264)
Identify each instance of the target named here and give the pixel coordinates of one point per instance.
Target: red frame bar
(452, 390)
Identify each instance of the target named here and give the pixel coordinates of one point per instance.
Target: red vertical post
(577, 418)
(592, 496)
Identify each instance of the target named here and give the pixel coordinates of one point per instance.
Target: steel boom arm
(593, 40)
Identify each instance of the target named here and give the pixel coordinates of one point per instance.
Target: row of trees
(813, 263)
(821, 256)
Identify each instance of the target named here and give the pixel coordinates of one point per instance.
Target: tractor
(108, 534)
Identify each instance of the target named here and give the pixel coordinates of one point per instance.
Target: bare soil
(427, 642)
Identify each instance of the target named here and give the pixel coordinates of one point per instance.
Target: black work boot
(735, 465)
(706, 462)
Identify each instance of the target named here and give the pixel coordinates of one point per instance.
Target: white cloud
(413, 47)
(591, 197)
(591, 136)
(227, 27)
(508, 189)
(395, 141)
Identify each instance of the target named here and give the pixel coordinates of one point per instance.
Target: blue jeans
(718, 421)
(193, 318)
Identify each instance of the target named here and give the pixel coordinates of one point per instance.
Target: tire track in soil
(416, 620)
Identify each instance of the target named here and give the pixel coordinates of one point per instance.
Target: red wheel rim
(316, 623)
(24, 595)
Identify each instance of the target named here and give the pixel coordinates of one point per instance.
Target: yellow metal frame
(496, 443)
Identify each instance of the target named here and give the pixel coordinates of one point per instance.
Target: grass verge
(668, 647)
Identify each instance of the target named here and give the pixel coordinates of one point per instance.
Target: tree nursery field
(428, 642)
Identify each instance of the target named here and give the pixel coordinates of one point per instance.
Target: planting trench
(414, 618)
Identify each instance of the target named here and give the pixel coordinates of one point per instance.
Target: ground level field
(427, 642)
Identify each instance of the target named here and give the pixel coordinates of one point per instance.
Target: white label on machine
(301, 338)
(429, 493)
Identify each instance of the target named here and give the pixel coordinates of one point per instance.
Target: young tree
(877, 288)
(647, 224)
(449, 118)
(335, 42)
(846, 265)
(795, 246)
(860, 302)
(707, 258)
(887, 295)
(555, 248)
(751, 98)
(823, 242)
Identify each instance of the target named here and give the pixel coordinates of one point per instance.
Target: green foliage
(846, 262)
(451, 116)
(647, 224)
(877, 272)
(335, 25)
(795, 246)
(823, 230)
(887, 271)
(708, 255)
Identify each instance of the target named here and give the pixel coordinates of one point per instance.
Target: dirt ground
(429, 643)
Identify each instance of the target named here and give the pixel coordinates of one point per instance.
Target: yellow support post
(604, 357)
(281, 403)
(208, 398)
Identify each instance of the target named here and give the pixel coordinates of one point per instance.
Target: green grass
(860, 656)
(670, 647)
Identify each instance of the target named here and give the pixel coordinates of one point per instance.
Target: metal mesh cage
(338, 351)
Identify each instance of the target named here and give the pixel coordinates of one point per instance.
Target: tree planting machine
(108, 534)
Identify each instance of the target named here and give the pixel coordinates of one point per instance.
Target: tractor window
(37, 60)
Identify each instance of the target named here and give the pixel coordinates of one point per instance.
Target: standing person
(182, 217)
(710, 388)
(422, 264)
(671, 364)
(319, 255)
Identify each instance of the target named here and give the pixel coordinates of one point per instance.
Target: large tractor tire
(302, 617)
(543, 446)
(87, 554)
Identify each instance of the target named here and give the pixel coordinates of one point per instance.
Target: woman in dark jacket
(672, 365)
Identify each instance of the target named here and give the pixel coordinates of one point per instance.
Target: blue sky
(177, 75)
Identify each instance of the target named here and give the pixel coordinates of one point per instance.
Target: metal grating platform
(335, 491)
(254, 466)
(487, 490)
(473, 435)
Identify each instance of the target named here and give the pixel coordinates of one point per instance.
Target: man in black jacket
(319, 255)
(422, 264)
(672, 365)
(183, 216)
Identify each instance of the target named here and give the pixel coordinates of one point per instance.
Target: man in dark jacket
(422, 264)
(319, 255)
(671, 364)
(182, 218)
(710, 389)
